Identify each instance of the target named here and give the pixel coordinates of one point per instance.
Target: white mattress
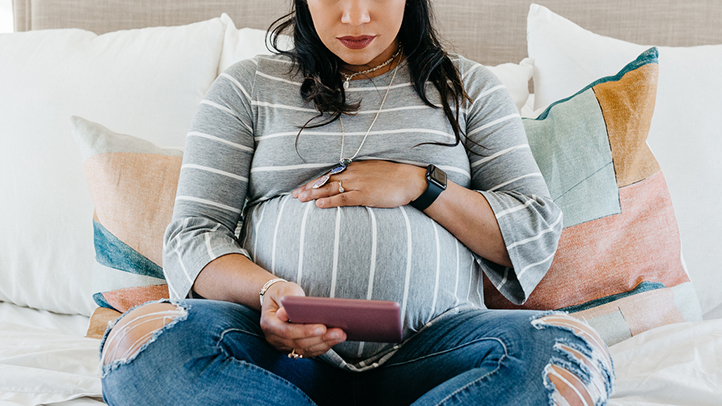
(44, 359)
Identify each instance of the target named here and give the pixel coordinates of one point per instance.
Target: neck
(380, 65)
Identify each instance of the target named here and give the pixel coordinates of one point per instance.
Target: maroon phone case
(361, 320)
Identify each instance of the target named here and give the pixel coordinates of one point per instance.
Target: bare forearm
(232, 278)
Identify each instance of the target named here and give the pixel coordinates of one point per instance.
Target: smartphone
(361, 320)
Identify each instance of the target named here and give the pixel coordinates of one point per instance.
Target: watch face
(438, 176)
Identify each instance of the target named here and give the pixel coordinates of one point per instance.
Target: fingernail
(318, 331)
(320, 202)
(334, 336)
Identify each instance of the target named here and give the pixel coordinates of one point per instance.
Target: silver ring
(340, 187)
(294, 355)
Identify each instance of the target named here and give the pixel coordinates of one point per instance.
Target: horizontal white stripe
(208, 202)
(514, 209)
(376, 88)
(493, 123)
(422, 107)
(289, 167)
(214, 170)
(214, 138)
(183, 266)
(444, 168)
(280, 60)
(538, 236)
(504, 279)
(278, 79)
(531, 175)
(489, 91)
(229, 111)
(219, 107)
(526, 268)
(235, 82)
(338, 134)
(473, 68)
(498, 154)
(282, 106)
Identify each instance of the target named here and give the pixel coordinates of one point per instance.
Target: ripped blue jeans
(203, 352)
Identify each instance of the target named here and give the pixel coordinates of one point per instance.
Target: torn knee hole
(580, 329)
(569, 389)
(582, 372)
(136, 328)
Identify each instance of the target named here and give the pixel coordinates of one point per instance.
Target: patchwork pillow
(618, 265)
(685, 131)
(132, 184)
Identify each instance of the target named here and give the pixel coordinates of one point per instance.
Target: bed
(141, 67)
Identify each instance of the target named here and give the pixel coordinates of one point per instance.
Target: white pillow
(147, 82)
(685, 133)
(245, 43)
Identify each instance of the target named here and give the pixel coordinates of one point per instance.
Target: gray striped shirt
(241, 164)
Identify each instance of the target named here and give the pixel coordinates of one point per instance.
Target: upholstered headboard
(489, 31)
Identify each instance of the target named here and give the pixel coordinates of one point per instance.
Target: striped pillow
(133, 184)
(619, 262)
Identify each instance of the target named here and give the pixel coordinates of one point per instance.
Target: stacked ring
(294, 355)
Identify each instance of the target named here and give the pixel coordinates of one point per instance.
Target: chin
(362, 57)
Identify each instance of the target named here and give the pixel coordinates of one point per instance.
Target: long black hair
(320, 68)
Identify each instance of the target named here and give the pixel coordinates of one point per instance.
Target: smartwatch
(435, 184)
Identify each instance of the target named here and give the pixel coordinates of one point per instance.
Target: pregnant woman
(366, 163)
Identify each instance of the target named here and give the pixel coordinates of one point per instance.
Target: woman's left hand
(372, 183)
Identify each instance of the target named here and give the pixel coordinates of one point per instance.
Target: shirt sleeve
(213, 181)
(505, 172)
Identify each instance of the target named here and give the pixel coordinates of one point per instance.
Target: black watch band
(435, 184)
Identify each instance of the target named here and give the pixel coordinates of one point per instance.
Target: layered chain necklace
(344, 162)
(347, 78)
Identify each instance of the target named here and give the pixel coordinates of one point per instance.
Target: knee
(581, 372)
(136, 328)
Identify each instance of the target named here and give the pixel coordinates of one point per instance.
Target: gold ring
(293, 354)
(340, 187)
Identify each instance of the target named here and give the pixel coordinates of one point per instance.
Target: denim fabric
(217, 355)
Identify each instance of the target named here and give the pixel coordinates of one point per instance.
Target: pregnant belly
(395, 254)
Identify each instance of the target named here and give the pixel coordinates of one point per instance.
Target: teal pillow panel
(571, 147)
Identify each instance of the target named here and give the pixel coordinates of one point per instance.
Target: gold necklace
(347, 78)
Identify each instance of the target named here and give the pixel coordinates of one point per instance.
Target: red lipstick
(356, 42)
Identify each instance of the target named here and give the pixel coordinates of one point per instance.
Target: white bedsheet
(679, 364)
(44, 359)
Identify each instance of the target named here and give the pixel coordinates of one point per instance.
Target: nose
(355, 12)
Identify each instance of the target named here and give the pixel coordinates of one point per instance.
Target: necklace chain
(345, 161)
(347, 78)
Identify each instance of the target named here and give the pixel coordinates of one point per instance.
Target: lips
(356, 42)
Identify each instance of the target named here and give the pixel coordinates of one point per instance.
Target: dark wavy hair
(320, 68)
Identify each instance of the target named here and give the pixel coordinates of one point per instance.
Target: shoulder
(264, 64)
(471, 71)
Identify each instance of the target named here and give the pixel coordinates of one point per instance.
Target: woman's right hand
(309, 340)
